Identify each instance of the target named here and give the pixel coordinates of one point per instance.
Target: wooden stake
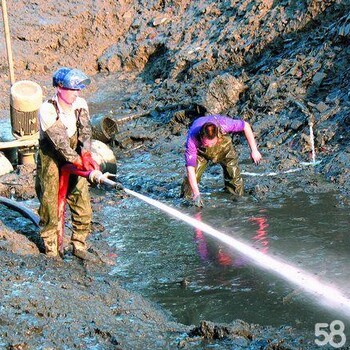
(8, 41)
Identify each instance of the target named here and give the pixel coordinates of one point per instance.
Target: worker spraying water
(65, 138)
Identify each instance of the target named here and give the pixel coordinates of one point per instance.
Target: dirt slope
(277, 64)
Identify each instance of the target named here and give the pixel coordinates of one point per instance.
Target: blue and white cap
(70, 78)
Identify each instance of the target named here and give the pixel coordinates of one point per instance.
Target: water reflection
(261, 237)
(221, 254)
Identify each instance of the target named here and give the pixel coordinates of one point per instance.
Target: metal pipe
(8, 41)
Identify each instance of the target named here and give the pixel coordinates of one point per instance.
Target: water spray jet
(311, 122)
(312, 145)
(327, 295)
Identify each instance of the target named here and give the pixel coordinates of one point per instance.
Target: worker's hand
(89, 163)
(256, 156)
(78, 163)
(197, 201)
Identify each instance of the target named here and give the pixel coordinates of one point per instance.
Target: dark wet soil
(278, 65)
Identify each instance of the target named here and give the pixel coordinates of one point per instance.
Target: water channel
(196, 277)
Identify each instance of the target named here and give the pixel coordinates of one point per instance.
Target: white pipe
(19, 143)
(312, 142)
(271, 173)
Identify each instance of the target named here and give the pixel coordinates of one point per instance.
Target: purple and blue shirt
(225, 124)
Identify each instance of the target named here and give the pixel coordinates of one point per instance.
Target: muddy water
(196, 277)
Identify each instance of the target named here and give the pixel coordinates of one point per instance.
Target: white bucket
(25, 100)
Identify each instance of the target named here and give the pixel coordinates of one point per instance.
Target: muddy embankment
(279, 65)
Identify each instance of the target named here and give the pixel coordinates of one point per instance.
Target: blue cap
(70, 78)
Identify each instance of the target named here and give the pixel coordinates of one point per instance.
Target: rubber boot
(81, 251)
(51, 249)
(87, 256)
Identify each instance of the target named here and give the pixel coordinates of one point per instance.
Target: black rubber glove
(197, 201)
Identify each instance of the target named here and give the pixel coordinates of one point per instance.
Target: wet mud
(279, 65)
(82, 305)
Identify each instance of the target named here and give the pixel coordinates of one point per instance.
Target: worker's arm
(84, 126)
(255, 154)
(191, 174)
(192, 179)
(57, 135)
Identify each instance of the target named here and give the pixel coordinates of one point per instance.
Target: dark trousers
(78, 200)
(224, 154)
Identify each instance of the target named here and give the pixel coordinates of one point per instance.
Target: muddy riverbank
(57, 304)
(281, 66)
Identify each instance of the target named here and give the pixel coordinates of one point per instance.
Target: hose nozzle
(97, 177)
